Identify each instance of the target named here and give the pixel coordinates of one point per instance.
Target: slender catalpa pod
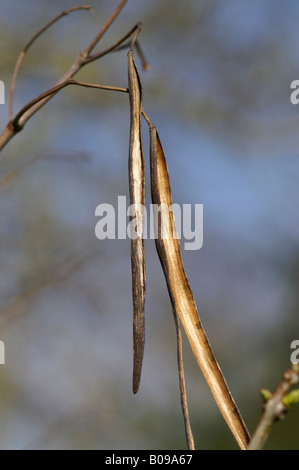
(137, 202)
(180, 292)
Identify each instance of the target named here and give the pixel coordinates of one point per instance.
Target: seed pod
(181, 295)
(137, 202)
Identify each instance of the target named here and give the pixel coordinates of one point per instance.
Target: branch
(144, 62)
(29, 44)
(113, 48)
(275, 407)
(105, 27)
(15, 126)
(53, 92)
(83, 58)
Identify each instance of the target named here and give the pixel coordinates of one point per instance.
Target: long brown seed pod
(181, 295)
(137, 198)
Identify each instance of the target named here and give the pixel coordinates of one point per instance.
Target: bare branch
(145, 64)
(113, 48)
(104, 29)
(54, 90)
(16, 124)
(29, 44)
(8, 133)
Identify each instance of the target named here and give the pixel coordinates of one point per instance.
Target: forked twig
(84, 58)
(29, 44)
(105, 27)
(118, 46)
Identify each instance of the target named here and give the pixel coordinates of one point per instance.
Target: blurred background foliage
(219, 92)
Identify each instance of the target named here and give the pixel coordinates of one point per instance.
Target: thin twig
(144, 62)
(95, 85)
(274, 409)
(16, 126)
(119, 46)
(29, 44)
(54, 90)
(114, 47)
(105, 27)
(183, 392)
(140, 52)
(134, 38)
(149, 122)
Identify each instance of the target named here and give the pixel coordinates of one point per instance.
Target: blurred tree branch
(21, 302)
(275, 407)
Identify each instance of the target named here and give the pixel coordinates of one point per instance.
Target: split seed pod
(137, 202)
(181, 295)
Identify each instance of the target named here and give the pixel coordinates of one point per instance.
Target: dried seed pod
(137, 201)
(181, 295)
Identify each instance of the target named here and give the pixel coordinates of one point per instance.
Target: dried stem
(140, 52)
(145, 64)
(274, 409)
(134, 38)
(29, 44)
(17, 124)
(105, 27)
(54, 90)
(183, 392)
(113, 48)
